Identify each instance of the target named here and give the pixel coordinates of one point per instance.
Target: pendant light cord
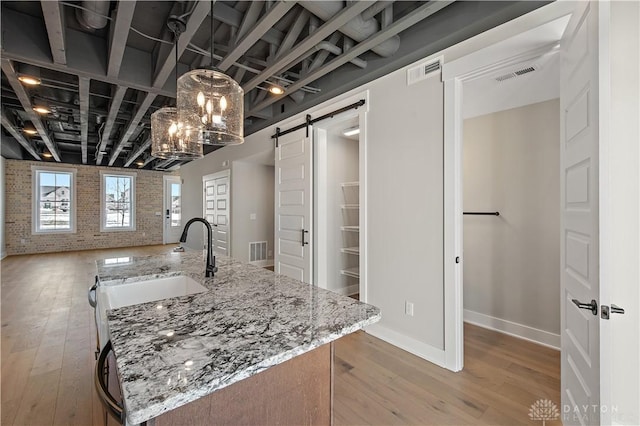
(211, 28)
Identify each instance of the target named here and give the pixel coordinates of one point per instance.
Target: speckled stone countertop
(173, 352)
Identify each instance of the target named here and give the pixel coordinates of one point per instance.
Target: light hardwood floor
(48, 342)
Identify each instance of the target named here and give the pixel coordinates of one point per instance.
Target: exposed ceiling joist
(332, 25)
(400, 25)
(249, 19)
(83, 89)
(138, 152)
(116, 101)
(268, 20)
(230, 16)
(82, 51)
(131, 127)
(23, 97)
(294, 32)
(148, 160)
(166, 65)
(119, 33)
(198, 15)
(53, 13)
(26, 144)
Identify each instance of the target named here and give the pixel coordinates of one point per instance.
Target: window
(54, 201)
(118, 201)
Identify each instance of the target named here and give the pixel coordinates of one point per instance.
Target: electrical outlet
(144, 234)
(408, 308)
(270, 253)
(252, 216)
(23, 241)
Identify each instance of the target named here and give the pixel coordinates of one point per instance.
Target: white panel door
(172, 209)
(217, 210)
(579, 217)
(293, 203)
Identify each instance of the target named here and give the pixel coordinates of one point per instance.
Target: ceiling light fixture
(212, 102)
(276, 90)
(170, 137)
(352, 131)
(29, 80)
(29, 128)
(41, 109)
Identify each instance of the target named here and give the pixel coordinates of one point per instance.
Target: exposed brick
(18, 176)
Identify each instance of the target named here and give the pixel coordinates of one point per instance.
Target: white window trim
(35, 217)
(103, 218)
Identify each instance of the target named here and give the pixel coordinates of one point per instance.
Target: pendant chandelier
(212, 102)
(170, 137)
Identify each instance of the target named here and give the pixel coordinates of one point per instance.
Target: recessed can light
(31, 81)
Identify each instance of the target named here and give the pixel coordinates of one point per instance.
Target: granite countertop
(173, 352)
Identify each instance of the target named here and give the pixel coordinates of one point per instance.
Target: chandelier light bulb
(223, 103)
(200, 99)
(173, 129)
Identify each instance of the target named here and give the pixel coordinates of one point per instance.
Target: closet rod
(483, 213)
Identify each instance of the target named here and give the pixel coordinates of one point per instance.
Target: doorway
(311, 231)
(580, 144)
(172, 209)
(337, 197)
(217, 208)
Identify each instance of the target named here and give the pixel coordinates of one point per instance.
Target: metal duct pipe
(93, 15)
(332, 48)
(358, 28)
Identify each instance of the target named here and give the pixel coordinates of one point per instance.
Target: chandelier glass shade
(213, 103)
(171, 139)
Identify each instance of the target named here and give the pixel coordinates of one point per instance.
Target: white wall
(251, 194)
(3, 250)
(620, 220)
(511, 262)
(404, 156)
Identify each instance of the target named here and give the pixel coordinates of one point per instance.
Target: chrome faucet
(211, 259)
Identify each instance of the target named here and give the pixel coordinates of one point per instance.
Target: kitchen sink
(134, 293)
(118, 296)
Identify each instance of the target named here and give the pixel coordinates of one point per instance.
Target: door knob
(593, 306)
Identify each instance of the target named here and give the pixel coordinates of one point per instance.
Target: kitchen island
(241, 339)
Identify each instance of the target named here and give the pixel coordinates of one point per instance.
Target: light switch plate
(252, 216)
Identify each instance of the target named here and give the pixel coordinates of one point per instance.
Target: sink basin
(134, 293)
(118, 296)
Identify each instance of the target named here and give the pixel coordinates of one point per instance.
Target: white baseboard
(263, 263)
(409, 344)
(525, 332)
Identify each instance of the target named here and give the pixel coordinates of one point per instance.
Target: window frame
(35, 197)
(103, 201)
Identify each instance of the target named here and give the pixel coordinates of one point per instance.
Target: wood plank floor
(48, 340)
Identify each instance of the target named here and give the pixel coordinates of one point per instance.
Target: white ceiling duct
(93, 14)
(358, 28)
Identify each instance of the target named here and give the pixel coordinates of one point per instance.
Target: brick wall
(18, 226)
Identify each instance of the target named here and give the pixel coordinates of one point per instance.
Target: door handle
(593, 306)
(304, 243)
(616, 309)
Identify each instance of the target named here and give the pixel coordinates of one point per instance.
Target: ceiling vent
(518, 73)
(424, 70)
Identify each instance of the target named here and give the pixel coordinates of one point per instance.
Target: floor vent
(424, 70)
(257, 251)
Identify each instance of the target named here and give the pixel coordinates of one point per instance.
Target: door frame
(362, 111)
(166, 179)
(320, 192)
(454, 74)
(217, 175)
